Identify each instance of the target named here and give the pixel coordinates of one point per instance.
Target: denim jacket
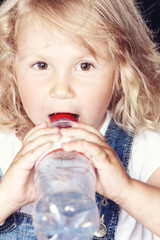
(19, 225)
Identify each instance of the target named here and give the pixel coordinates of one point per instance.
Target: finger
(85, 134)
(40, 140)
(38, 131)
(97, 154)
(26, 160)
(89, 128)
(34, 129)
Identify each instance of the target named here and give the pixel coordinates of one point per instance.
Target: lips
(59, 115)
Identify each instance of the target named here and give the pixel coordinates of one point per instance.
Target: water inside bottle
(65, 215)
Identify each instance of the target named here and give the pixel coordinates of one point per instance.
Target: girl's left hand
(112, 179)
(113, 182)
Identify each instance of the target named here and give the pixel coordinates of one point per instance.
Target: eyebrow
(84, 50)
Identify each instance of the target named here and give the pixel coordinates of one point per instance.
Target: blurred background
(151, 13)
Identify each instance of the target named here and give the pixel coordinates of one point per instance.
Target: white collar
(106, 123)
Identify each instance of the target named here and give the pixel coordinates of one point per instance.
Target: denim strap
(121, 142)
(18, 226)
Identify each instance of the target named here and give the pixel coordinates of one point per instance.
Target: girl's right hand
(17, 186)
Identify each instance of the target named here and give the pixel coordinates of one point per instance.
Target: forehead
(40, 34)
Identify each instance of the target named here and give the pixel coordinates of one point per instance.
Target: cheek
(96, 105)
(25, 94)
(28, 103)
(103, 93)
(101, 101)
(28, 99)
(29, 92)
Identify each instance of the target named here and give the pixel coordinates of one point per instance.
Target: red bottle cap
(65, 116)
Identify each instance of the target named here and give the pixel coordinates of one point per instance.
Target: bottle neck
(62, 120)
(62, 123)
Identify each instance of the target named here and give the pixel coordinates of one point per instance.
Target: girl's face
(57, 74)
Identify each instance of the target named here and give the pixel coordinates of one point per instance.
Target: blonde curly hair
(136, 98)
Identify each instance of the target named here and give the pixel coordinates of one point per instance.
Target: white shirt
(144, 160)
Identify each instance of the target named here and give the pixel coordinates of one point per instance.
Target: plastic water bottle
(65, 206)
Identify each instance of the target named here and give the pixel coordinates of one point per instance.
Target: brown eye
(85, 66)
(41, 66)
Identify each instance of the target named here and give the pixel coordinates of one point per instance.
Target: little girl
(94, 59)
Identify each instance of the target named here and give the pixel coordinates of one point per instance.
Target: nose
(62, 88)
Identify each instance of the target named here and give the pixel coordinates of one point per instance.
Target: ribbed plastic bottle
(65, 206)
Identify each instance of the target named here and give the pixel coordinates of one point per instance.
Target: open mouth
(65, 115)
